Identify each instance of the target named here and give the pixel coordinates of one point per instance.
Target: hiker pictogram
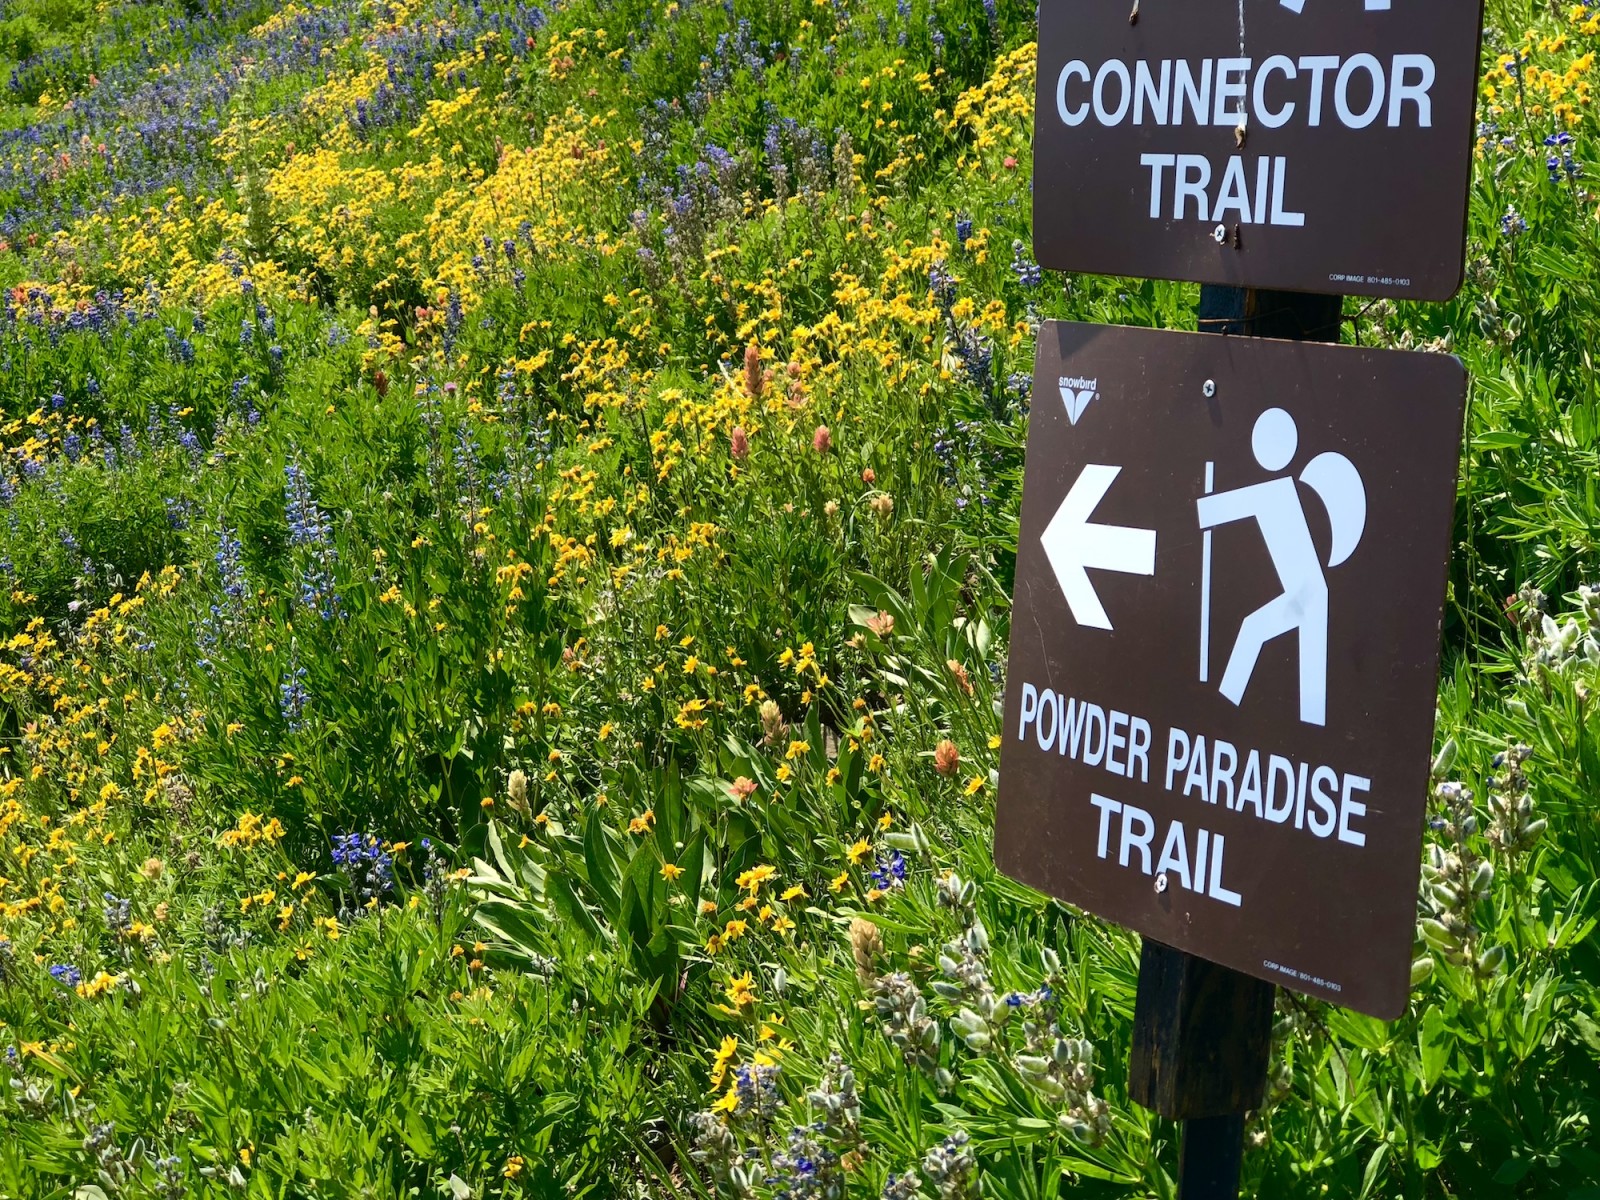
(1276, 508)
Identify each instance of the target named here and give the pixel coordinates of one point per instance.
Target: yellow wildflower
(752, 879)
(741, 991)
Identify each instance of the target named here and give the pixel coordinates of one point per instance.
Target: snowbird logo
(1299, 5)
(1077, 395)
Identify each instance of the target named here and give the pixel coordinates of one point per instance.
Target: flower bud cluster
(1554, 650)
(1513, 827)
(904, 1012)
(716, 1149)
(1455, 880)
(1292, 1020)
(956, 895)
(810, 1162)
(114, 1169)
(902, 1187)
(835, 1099)
(773, 728)
(951, 1168)
(1065, 1077)
(1529, 607)
(34, 1098)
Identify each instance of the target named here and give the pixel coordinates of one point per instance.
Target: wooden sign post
(1232, 554)
(1202, 1034)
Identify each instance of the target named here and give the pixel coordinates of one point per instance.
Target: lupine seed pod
(1445, 759)
(1482, 879)
(1436, 934)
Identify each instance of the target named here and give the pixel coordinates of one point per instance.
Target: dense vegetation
(508, 524)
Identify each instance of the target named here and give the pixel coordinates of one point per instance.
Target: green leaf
(565, 900)
(1512, 1171)
(602, 867)
(1588, 1030)
(1434, 1044)
(518, 924)
(1374, 1171)
(415, 1132)
(1498, 439)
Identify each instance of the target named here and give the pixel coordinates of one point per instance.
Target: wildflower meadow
(508, 514)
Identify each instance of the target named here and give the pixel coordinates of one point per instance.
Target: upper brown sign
(1301, 145)
(1225, 643)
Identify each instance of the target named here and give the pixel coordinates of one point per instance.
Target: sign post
(1202, 1034)
(1232, 555)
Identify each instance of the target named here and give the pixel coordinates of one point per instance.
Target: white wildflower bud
(1445, 759)
(1533, 829)
(1435, 934)
(517, 791)
(978, 938)
(1032, 1065)
(1421, 971)
(1053, 1090)
(1483, 878)
(1051, 961)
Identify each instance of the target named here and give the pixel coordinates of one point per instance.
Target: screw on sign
(1307, 145)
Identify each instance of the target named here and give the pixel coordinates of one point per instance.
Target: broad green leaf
(1434, 1043)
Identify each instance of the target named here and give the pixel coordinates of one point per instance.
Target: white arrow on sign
(1299, 5)
(1074, 546)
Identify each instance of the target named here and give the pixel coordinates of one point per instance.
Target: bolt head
(1209, 388)
(1220, 233)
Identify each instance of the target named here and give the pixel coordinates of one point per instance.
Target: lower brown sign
(1225, 643)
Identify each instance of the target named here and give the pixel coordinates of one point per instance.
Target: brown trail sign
(1304, 145)
(1233, 551)
(1225, 641)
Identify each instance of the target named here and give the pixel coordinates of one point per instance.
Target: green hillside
(509, 522)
